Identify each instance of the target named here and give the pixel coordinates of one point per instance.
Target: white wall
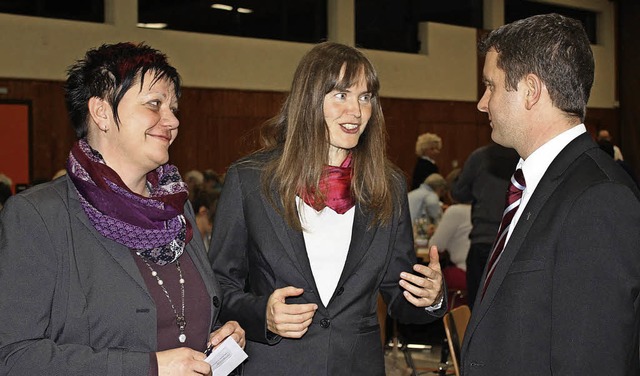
(41, 48)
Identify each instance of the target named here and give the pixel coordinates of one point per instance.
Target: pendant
(182, 338)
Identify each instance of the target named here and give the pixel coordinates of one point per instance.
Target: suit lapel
(361, 239)
(548, 184)
(292, 241)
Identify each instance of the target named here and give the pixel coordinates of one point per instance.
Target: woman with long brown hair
(310, 229)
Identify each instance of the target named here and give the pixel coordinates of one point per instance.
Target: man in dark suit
(563, 296)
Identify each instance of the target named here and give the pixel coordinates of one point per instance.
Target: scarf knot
(153, 226)
(335, 186)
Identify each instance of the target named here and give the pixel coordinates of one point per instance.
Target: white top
(327, 236)
(452, 234)
(534, 167)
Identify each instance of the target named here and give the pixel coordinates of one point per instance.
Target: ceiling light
(222, 7)
(245, 10)
(152, 25)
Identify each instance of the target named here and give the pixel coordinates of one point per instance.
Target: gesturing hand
(425, 289)
(288, 320)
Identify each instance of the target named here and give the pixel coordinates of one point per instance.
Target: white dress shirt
(327, 237)
(534, 167)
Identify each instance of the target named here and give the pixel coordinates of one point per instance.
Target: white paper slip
(226, 357)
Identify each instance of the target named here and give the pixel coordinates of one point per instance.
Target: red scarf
(335, 184)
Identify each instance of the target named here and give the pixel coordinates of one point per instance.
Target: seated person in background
(5, 189)
(204, 204)
(603, 135)
(193, 179)
(424, 201)
(608, 147)
(452, 236)
(428, 146)
(5, 193)
(212, 180)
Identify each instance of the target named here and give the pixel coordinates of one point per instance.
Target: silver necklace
(180, 319)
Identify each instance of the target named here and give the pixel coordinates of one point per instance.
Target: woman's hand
(229, 329)
(289, 320)
(182, 361)
(424, 290)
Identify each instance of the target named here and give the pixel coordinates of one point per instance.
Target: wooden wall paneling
(52, 135)
(15, 147)
(628, 138)
(454, 121)
(218, 126)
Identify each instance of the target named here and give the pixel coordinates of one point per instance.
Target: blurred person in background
(428, 146)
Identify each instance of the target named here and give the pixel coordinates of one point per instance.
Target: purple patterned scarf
(153, 226)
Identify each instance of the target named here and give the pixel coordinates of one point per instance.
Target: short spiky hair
(554, 48)
(108, 72)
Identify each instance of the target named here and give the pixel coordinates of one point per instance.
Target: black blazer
(73, 302)
(251, 241)
(565, 296)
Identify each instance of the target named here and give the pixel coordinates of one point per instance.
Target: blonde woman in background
(428, 146)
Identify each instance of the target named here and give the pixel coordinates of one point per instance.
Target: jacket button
(216, 302)
(340, 291)
(324, 323)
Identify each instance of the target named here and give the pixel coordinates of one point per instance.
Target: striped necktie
(514, 196)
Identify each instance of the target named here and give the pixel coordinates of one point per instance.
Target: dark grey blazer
(565, 296)
(252, 242)
(73, 302)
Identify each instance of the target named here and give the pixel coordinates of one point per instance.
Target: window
(392, 25)
(80, 10)
(519, 9)
(298, 21)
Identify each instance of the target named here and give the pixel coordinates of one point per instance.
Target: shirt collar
(429, 159)
(537, 163)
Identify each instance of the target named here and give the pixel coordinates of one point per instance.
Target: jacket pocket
(368, 324)
(526, 266)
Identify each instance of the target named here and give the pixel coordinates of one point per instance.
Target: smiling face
(346, 114)
(503, 107)
(148, 126)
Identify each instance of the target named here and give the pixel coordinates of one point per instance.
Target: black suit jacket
(565, 296)
(251, 241)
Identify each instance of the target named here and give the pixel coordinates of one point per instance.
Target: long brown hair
(300, 138)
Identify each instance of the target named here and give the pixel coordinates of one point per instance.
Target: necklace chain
(180, 319)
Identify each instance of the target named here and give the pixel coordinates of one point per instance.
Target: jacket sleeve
(596, 285)
(228, 254)
(33, 299)
(403, 258)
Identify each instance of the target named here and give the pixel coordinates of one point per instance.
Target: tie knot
(517, 180)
